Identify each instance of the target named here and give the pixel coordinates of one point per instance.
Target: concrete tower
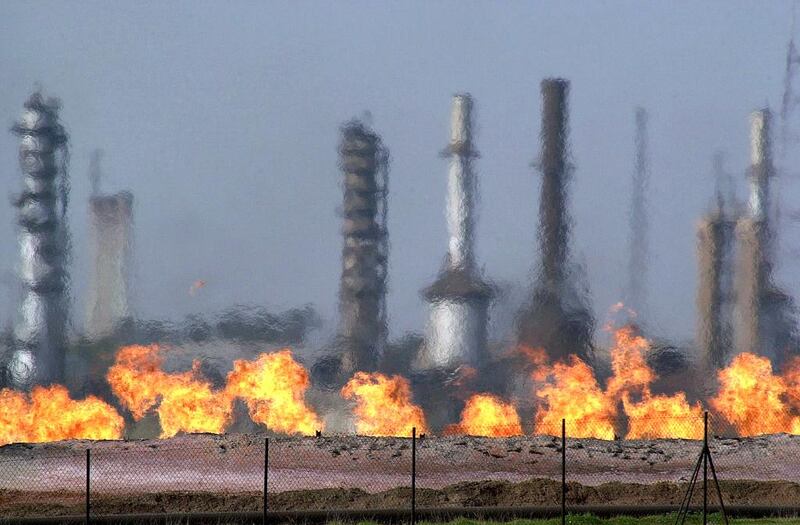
(40, 333)
(459, 298)
(557, 317)
(111, 237)
(715, 262)
(753, 269)
(362, 292)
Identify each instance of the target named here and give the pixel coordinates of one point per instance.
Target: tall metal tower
(636, 290)
(362, 292)
(753, 273)
(40, 333)
(459, 298)
(557, 318)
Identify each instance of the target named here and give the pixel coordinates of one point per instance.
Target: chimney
(459, 298)
(362, 292)
(753, 230)
(557, 317)
(110, 246)
(38, 354)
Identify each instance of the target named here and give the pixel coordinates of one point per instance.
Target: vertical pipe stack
(715, 296)
(111, 237)
(459, 298)
(637, 264)
(363, 160)
(753, 271)
(557, 317)
(40, 333)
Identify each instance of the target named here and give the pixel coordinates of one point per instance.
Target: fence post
(266, 477)
(413, 475)
(88, 477)
(705, 468)
(563, 472)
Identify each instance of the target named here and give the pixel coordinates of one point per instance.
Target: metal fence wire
(260, 475)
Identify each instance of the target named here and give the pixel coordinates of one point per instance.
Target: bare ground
(196, 473)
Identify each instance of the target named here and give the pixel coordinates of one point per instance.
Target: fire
(383, 405)
(571, 391)
(663, 417)
(274, 387)
(651, 416)
(49, 414)
(753, 399)
(185, 402)
(631, 372)
(488, 415)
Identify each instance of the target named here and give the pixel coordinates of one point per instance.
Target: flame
(185, 402)
(274, 387)
(487, 415)
(753, 399)
(383, 405)
(651, 416)
(571, 391)
(631, 372)
(49, 414)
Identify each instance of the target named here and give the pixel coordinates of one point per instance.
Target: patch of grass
(587, 519)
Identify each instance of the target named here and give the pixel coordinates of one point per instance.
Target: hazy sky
(222, 118)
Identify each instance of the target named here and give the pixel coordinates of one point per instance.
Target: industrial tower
(459, 298)
(557, 317)
(38, 354)
(636, 289)
(110, 245)
(362, 292)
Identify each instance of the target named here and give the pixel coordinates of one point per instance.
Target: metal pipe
(88, 486)
(563, 472)
(266, 478)
(413, 475)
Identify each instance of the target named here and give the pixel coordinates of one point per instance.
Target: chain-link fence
(578, 470)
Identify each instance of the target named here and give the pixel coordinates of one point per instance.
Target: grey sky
(222, 119)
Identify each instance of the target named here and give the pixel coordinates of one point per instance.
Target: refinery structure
(741, 307)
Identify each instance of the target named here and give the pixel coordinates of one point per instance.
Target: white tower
(459, 298)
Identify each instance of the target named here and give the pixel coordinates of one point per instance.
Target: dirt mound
(532, 493)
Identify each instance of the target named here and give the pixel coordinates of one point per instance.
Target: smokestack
(111, 239)
(40, 334)
(362, 293)
(715, 296)
(557, 318)
(554, 165)
(459, 298)
(754, 267)
(637, 264)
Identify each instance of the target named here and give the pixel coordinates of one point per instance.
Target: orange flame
(487, 415)
(571, 391)
(274, 387)
(652, 416)
(186, 403)
(49, 414)
(753, 399)
(383, 405)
